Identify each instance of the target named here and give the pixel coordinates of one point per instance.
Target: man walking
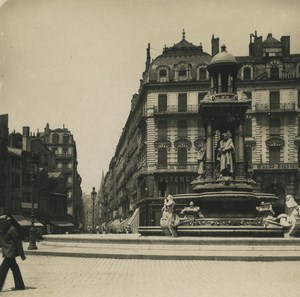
(11, 248)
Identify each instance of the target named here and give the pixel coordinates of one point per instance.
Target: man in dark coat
(11, 248)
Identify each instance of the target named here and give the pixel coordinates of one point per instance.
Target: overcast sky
(78, 62)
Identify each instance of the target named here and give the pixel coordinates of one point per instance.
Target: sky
(78, 62)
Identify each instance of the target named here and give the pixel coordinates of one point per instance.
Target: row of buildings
(158, 149)
(39, 172)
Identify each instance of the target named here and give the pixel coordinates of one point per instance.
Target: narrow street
(66, 276)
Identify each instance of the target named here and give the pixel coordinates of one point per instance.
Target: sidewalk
(163, 248)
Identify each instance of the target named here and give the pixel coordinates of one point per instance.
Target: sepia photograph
(150, 148)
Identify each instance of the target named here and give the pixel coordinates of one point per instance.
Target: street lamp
(34, 171)
(93, 196)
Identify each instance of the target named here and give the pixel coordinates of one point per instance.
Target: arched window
(163, 74)
(202, 73)
(162, 158)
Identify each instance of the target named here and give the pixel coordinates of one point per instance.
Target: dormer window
(55, 138)
(182, 74)
(202, 73)
(163, 74)
(247, 73)
(182, 71)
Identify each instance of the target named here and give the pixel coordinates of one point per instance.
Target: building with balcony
(157, 153)
(61, 142)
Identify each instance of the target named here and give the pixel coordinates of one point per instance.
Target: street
(69, 276)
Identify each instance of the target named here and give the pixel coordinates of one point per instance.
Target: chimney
(148, 58)
(214, 45)
(257, 47)
(285, 40)
(25, 139)
(47, 130)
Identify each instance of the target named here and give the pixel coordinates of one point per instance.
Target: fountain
(223, 190)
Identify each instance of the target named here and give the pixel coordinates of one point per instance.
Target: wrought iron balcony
(171, 109)
(280, 107)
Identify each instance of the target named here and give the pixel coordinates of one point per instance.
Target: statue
(201, 162)
(190, 213)
(169, 220)
(225, 154)
(289, 221)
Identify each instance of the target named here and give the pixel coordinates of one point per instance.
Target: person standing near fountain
(225, 153)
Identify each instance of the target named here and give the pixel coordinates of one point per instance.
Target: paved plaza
(73, 276)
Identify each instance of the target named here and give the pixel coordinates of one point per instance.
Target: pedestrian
(11, 248)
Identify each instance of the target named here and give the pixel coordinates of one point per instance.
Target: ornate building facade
(157, 153)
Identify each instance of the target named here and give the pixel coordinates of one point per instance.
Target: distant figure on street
(11, 248)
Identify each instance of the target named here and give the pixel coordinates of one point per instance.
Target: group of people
(11, 248)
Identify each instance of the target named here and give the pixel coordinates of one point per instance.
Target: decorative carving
(162, 143)
(225, 154)
(228, 222)
(182, 143)
(199, 142)
(191, 213)
(275, 141)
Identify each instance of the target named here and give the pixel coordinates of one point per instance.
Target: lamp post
(93, 196)
(32, 231)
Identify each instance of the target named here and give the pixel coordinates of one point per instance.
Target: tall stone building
(157, 153)
(61, 142)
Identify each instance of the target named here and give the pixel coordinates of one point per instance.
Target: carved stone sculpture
(191, 213)
(169, 220)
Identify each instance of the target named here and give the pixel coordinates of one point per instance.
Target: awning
(21, 220)
(62, 224)
(36, 222)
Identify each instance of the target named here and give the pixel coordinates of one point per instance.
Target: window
(26, 197)
(66, 139)
(162, 158)
(182, 157)
(182, 188)
(162, 73)
(298, 98)
(247, 72)
(54, 150)
(182, 74)
(162, 129)
(162, 102)
(274, 73)
(274, 100)
(274, 155)
(162, 188)
(202, 73)
(248, 128)
(182, 129)
(65, 151)
(182, 102)
(55, 138)
(274, 125)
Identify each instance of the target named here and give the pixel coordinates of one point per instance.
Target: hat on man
(4, 218)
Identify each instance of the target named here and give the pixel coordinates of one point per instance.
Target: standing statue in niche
(225, 155)
(201, 162)
(169, 220)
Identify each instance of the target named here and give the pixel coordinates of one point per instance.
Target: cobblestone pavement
(67, 276)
